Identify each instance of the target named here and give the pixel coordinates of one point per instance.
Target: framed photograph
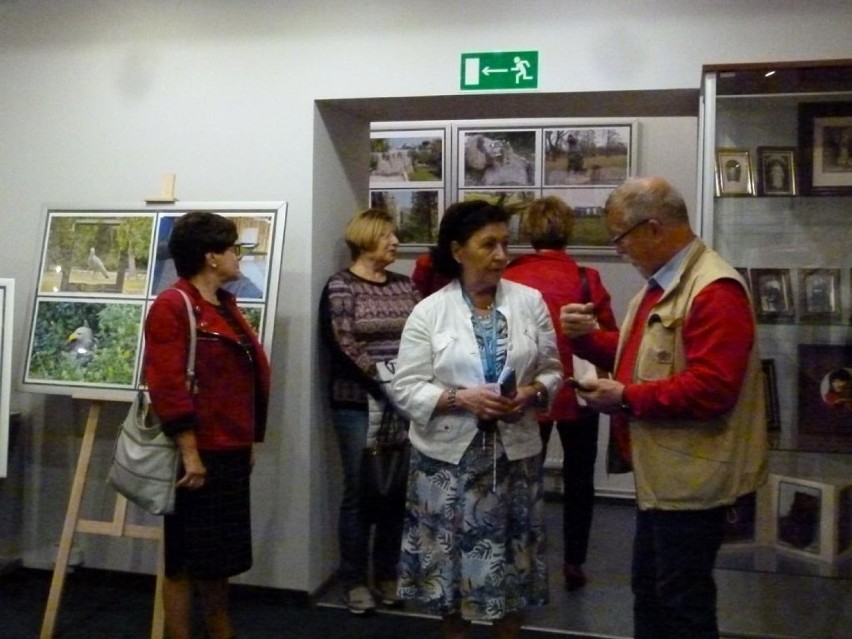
(770, 394)
(7, 303)
(499, 158)
(417, 213)
(96, 253)
(773, 295)
(579, 160)
(515, 202)
(776, 170)
(406, 158)
(589, 230)
(733, 172)
(101, 268)
(593, 155)
(825, 141)
(799, 516)
(819, 295)
(825, 398)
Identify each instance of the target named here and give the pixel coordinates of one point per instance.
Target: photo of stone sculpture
(499, 158)
(406, 158)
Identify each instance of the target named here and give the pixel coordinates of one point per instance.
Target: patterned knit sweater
(361, 324)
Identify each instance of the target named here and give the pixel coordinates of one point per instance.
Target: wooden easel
(118, 527)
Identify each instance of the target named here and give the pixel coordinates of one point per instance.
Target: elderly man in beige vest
(686, 398)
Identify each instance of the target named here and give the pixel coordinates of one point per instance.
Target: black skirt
(209, 534)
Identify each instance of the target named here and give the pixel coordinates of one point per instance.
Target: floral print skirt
(474, 541)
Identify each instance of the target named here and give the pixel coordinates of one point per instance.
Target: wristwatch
(540, 396)
(624, 407)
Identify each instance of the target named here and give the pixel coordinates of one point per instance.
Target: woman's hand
(485, 402)
(195, 474)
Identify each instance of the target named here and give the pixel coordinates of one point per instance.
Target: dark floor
(762, 594)
(765, 604)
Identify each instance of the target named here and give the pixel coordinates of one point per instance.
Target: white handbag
(145, 462)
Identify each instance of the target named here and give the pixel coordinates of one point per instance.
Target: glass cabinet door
(776, 202)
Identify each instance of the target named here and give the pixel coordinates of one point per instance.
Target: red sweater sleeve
(718, 335)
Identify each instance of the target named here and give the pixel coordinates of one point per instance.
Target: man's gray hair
(648, 197)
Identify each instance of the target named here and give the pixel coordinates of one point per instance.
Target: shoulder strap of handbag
(585, 292)
(193, 340)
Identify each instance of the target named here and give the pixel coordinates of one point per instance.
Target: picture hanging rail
(99, 270)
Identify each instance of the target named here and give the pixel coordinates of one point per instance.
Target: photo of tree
(416, 213)
(88, 343)
(587, 156)
(96, 254)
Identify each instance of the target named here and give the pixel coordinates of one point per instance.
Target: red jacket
(229, 407)
(557, 276)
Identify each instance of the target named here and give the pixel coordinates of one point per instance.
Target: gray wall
(100, 99)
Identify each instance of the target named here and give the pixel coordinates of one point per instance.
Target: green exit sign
(501, 70)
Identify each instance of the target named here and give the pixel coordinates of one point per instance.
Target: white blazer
(438, 351)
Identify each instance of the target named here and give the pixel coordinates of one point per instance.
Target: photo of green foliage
(416, 213)
(85, 343)
(253, 315)
(96, 254)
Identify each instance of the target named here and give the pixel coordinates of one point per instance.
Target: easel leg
(70, 526)
(158, 620)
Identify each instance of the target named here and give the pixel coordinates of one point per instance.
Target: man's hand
(577, 319)
(604, 395)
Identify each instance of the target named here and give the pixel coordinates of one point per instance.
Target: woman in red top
(548, 223)
(215, 422)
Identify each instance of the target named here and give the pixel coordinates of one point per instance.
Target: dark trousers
(356, 554)
(674, 552)
(579, 440)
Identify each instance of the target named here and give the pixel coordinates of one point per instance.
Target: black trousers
(579, 440)
(674, 553)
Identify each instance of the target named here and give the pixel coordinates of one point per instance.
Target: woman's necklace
(485, 327)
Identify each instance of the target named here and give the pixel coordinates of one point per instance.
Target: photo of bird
(81, 345)
(96, 264)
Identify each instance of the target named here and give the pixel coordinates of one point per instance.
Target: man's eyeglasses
(618, 238)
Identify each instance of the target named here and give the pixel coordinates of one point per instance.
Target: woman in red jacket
(215, 421)
(548, 222)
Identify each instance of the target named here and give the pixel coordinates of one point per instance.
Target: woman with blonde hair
(362, 312)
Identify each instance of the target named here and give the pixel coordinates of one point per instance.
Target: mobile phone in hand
(508, 382)
(575, 383)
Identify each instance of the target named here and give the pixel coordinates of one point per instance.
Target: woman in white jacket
(473, 544)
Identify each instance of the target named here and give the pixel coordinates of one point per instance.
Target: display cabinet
(775, 199)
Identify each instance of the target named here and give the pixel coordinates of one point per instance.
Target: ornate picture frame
(776, 171)
(734, 175)
(773, 295)
(819, 295)
(825, 142)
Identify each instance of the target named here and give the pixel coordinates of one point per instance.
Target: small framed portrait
(776, 170)
(733, 172)
(819, 295)
(773, 295)
(799, 516)
(824, 398)
(825, 138)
